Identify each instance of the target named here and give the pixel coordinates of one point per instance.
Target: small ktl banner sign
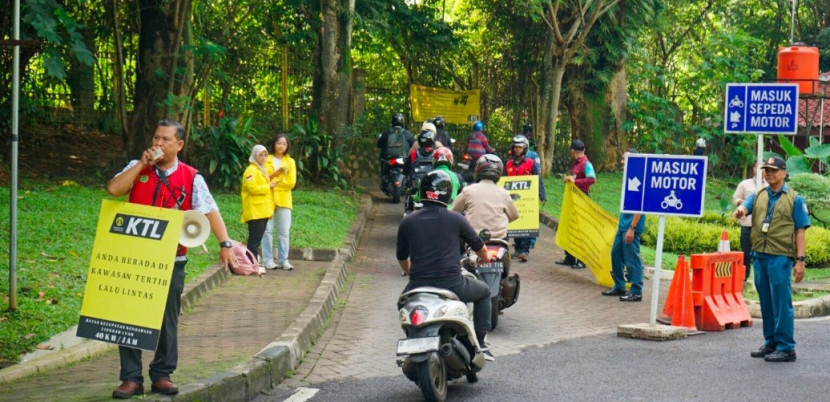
(761, 109)
(664, 185)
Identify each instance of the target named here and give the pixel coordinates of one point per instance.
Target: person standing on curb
(282, 170)
(625, 255)
(257, 202)
(779, 223)
(744, 189)
(583, 177)
(166, 182)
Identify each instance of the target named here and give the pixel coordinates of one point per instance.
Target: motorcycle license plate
(413, 346)
(492, 267)
(463, 166)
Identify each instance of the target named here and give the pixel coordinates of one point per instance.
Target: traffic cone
(684, 310)
(668, 308)
(724, 242)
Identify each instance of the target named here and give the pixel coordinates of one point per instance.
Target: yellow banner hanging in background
(129, 274)
(587, 232)
(457, 107)
(524, 190)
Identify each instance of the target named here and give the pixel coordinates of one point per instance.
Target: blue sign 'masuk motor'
(761, 108)
(664, 184)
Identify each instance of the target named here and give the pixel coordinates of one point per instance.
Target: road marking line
(302, 394)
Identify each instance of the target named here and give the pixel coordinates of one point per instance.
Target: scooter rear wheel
(396, 194)
(432, 378)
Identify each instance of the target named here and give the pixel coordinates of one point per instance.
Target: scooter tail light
(440, 312)
(418, 315)
(501, 253)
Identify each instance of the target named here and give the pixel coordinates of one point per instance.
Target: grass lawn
(56, 228)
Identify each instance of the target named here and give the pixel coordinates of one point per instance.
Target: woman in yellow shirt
(257, 204)
(282, 171)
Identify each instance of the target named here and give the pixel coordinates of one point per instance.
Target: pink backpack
(243, 261)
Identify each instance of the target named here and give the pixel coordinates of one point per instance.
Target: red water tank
(798, 64)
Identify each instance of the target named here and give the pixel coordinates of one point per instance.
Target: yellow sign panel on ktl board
(587, 232)
(457, 107)
(129, 274)
(524, 190)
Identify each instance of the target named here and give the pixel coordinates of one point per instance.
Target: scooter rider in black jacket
(428, 247)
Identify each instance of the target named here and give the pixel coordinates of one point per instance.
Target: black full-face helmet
(426, 139)
(436, 187)
(439, 122)
(397, 120)
(489, 167)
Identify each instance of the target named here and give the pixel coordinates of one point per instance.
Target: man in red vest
(521, 165)
(158, 178)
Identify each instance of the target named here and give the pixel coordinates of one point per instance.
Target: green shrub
(687, 236)
(816, 191)
(818, 247)
(221, 152)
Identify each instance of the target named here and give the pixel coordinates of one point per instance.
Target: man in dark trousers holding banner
(583, 177)
(159, 179)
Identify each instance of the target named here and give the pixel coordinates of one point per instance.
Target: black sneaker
(614, 292)
(763, 351)
(578, 265)
(565, 262)
(781, 356)
(631, 297)
(488, 355)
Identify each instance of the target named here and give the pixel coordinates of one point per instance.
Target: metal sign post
(663, 185)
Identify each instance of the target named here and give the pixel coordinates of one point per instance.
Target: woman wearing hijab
(257, 202)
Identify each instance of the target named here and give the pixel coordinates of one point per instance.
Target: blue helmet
(478, 126)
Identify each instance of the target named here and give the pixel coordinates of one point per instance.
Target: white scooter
(440, 340)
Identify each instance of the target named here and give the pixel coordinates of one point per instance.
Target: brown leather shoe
(127, 389)
(165, 387)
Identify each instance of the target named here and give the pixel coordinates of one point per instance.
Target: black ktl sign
(517, 185)
(138, 227)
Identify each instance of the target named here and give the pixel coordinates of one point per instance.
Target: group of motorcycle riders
(433, 230)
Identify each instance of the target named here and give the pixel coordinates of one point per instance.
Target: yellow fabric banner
(524, 190)
(457, 107)
(129, 274)
(587, 232)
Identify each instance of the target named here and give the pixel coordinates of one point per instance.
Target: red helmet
(442, 157)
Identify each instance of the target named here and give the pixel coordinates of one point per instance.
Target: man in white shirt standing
(745, 188)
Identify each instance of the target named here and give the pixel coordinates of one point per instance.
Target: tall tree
(159, 41)
(568, 25)
(332, 88)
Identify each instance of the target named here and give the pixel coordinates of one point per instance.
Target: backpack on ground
(396, 145)
(243, 261)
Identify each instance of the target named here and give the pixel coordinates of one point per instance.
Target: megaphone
(195, 229)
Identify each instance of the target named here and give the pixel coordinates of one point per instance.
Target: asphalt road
(557, 343)
(715, 366)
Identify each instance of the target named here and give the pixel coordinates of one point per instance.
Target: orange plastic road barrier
(668, 307)
(717, 286)
(684, 313)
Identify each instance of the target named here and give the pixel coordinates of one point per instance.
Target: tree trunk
(157, 47)
(334, 74)
(118, 73)
(81, 81)
(549, 112)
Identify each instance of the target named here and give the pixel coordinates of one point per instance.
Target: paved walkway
(225, 328)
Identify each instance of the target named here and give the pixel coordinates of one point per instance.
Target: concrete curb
(271, 364)
(308, 324)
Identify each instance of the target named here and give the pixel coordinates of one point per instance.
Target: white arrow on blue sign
(664, 184)
(761, 109)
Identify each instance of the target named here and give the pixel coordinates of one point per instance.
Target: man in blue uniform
(779, 222)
